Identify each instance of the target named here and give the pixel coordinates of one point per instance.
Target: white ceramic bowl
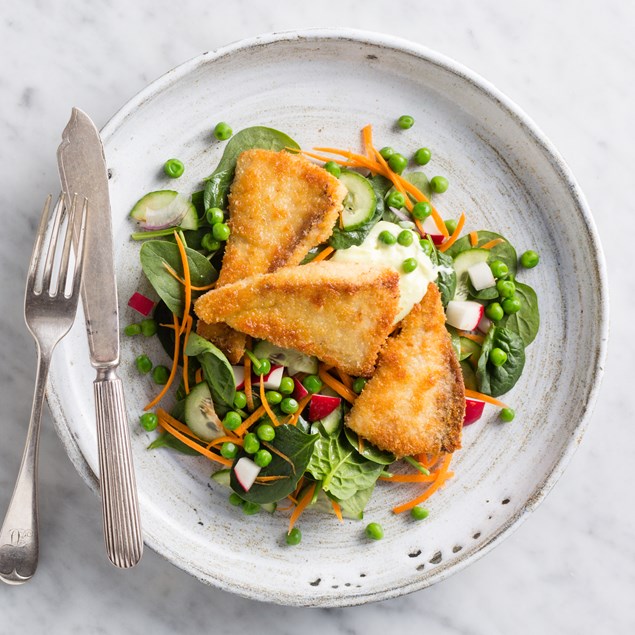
(321, 87)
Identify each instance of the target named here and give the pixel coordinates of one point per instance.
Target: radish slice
(141, 304)
(274, 377)
(485, 324)
(321, 406)
(239, 376)
(300, 392)
(473, 411)
(464, 315)
(430, 228)
(246, 472)
(481, 276)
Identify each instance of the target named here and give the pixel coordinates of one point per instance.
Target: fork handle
(19, 545)
(120, 506)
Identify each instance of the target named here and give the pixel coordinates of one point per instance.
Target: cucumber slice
(296, 362)
(461, 264)
(222, 477)
(468, 348)
(360, 202)
(165, 208)
(200, 415)
(331, 423)
(269, 507)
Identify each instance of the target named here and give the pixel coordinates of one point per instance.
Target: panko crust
(415, 401)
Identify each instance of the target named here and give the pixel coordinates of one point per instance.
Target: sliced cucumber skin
(190, 220)
(461, 264)
(194, 418)
(164, 197)
(222, 477)
(331, 423)
(360, 204)
(299, 362)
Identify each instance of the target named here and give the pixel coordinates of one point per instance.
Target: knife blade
(83, 171)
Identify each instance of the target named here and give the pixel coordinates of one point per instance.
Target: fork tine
(65, 274)
(50, 256)
(81, 243)
(37, 247)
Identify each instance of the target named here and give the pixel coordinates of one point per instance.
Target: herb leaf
(497, 380)
(446, 279)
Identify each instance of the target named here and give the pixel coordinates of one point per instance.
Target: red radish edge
(322, 406)
(473, 411)
(299, 392)
(141, 304)
(239, 376)
(246, 472)
(273, 378)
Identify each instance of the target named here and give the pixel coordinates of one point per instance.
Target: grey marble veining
(570, 568)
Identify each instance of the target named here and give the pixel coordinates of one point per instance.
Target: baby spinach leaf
(297, 447)
(354, 506)
(156, 254)
(497, 380)
(503, 251)
(217, 186)
(446, 279)
(342, 470)
(343, 239)
(368, 450)
(217, 370)
(527, 321)
(166, 440)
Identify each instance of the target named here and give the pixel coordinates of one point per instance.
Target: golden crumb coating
(415, 401)
(280, 206)
(340, 312)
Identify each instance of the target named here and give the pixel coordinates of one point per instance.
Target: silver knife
(82, 168)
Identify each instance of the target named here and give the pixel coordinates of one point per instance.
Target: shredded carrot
(263, 400)
(364, 162)
(282, 455)
(360, 444)
(492, 243)
(300, 507)
(440, 478)
(186, 378)
(194, 445)
(320, 157)
(338, 510)
(337, 386)
(248, 394)
(409, 478)
(367, 137)
(473, 238)
(428, 460)
(167, 326)
(182, 281)
(175, 365)
(479, 339)
(198, 377)
(301, 406)
(186, 280)
(420, 196)
(270, 479)
(472, 394)
(347, 380)
(175, 423)
(224, 439)
(324, 254)
(254, 416)
(455, 234)
(286, 508)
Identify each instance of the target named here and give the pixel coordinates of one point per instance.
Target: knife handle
(120, 505)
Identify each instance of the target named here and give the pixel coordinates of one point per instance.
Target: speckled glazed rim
(559, 167)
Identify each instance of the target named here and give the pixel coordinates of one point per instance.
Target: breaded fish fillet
(340, 312)
(415, 401)
(280, 206)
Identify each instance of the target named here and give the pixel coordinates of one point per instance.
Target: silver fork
(49, 311)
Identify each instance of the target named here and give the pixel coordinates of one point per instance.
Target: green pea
(221, 231)
(386, 152)
(229, 450)
(144, 365)
(358, 385)
(422, 156)
(450, 225)
(396, 200)
(214, 215)
(210, 243)
(173, 168)
(506, 288)
(426, 246)
(161, 374)
(249, 509)
(421, 210)
(497, 356)
(409, 265)
(507, 414)
(405, 122)
(235, 500)
(287, 386)
(529, 259)
(222, 131)
(511, 305)
(386, 237)
(499, 269)
(294, 537)
(266, 432)
(263, 367)
(374, 531)
(132, 329)
(273, 397)
(494, 311)
(405, 238)
(397, 162)
(439, 184)
(289, 405)
(419, 513)
(240, 400)
(251, 444)
(149, 421)
(148, 327)
(312, 383)
(333, 168)
(263, 458)
(232, 420)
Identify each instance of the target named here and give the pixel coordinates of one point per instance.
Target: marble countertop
(568, 569)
